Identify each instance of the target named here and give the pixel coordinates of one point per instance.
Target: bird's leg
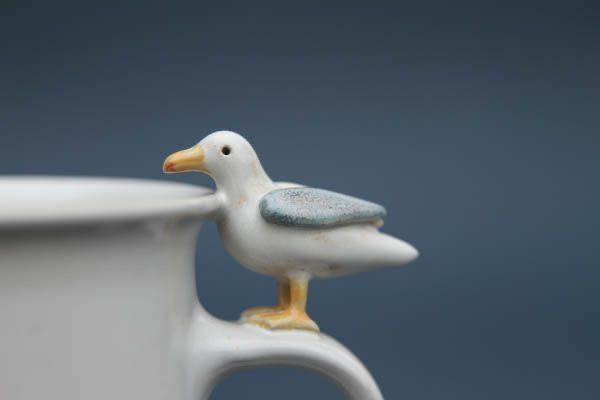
(294, 315)
(283, 301)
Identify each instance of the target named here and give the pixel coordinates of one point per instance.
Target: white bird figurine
(291, 232)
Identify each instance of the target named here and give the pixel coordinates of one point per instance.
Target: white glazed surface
(97, 299)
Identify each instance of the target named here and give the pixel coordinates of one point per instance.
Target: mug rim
(47, 200)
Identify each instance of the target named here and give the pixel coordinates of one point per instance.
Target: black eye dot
(226, 150)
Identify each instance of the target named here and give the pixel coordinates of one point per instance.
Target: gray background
(476, 125)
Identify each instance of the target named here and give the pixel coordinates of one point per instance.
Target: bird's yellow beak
(191, 159)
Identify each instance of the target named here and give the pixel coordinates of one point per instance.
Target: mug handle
(220, 348)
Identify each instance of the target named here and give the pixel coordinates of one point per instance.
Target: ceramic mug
(98, 299)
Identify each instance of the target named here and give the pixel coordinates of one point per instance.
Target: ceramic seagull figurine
(291, 232)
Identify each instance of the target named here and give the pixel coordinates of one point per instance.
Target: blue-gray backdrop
(476, 125)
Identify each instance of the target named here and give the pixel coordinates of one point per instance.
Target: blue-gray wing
(316, 208)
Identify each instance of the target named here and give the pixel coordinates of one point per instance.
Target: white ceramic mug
(98, 299)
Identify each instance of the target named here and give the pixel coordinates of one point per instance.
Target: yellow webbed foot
(290, 313)
(284, 319)
(258, 310)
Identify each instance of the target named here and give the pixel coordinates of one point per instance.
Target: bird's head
(226, 156)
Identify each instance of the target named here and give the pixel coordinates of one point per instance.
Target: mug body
(97, 309)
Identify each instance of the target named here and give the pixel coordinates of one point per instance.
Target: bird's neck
(243, 188)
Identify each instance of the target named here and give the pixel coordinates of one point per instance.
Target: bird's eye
(226, 150)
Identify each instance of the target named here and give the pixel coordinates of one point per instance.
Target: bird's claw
(283, 319)
(254, 311)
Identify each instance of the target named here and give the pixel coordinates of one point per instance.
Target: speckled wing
(316, 208)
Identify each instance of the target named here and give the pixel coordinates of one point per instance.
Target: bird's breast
(242, 232)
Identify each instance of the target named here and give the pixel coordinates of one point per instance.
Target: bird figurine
(291, 232)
